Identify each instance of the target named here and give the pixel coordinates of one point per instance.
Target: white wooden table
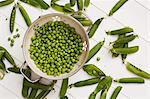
(135, 13)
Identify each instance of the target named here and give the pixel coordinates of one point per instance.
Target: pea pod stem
(64, 87)
(130, 80)
(137, 71)
(118, 5)
(24, 14)
(116, 92)
(129, 50)
(5, 2)
(12, 19)
(86, 82)
(95, 50)
(121, 31)
(94, 27)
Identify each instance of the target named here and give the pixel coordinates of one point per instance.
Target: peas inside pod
(55, 48)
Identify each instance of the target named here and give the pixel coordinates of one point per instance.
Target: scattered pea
(98, 58)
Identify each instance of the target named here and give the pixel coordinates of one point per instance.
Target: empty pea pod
(94, 27)
(124, 56)
(121, 31)
(79, 17)
(93, 70)
(32, 3)
(33, 93)
(24, 14)
(94, 50)
(2, 65)
(2, 52)
(64, 87)
(86, 82)
(86, 3)
(137, 71)
(116, 92)
(130, 80)
(43, 4)
(8, 56)
(72, 2)
(85, 22)
(119, 4)
(6, 2)
(12, 19)
(128, 50)
(67, 8)
(57, 7)
(80, 5)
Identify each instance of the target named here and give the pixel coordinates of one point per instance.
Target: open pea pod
(93, 70)
(6, 2)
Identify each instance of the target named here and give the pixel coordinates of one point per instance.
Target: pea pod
(8, 56)
(72, 2)
(12, 19)
(128, 50)
(93, 70)
(130, 80)
(57, 7)
(65, 97)
(17, 70)
(2, 52)
(86, 82)
(67, 8)
(79, 17)
(86, 3)
(94, 27)
(25, 15)
(25, 88)
(124, 56)
(137, 71)
(64, 87)
(100, 86)
(119, 4)
(121, 31)
(6, 2)
(33, 93)
(85, 22)
(43, 4)
(95, 50)
(80, 5)
(116, 92)
(32, 3)
(2, 66)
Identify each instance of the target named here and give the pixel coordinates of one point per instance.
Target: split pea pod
(86, 3)
(93, 70)
(124, 56)
(8, 56)
(130, 80)
(137, 71)
(6, 2)
(12, 19)
(86, 22)
(121, 31)
(118, 5)
(25, 15)
(43, 4)
(86, 82)
(33, 93)
(116, 92)
(64, 87)
(72, 2)
(94, 27)
(80, 5)
(95, 50)
(128, 50)
(100, 86)
(32, 3)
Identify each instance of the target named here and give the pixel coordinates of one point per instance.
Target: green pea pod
(85, 22)
(128, 50)
(124, 56)
(72, 2)
(25, 15)
(80, 5)
(8, 56)
(57, 7)
(116, 92)
(79, 17)
(130, 80)
(95, 50)
(16, 70)
(2, 52)
(103, 94)
(93, 70)
(2, 66)
(86, 3)
(6, 2)
(137, 71)
(119, 4)
(12, 19)
(100, 86)
(121, 31)
(33, 93)
(32, 3)
(64, 87)
(94, 27)
(67, 8)
(64, 97)
(44, 93)
(43, 4)
(86, 82)
(25, 88)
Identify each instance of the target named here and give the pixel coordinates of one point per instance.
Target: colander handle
(21, 70)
